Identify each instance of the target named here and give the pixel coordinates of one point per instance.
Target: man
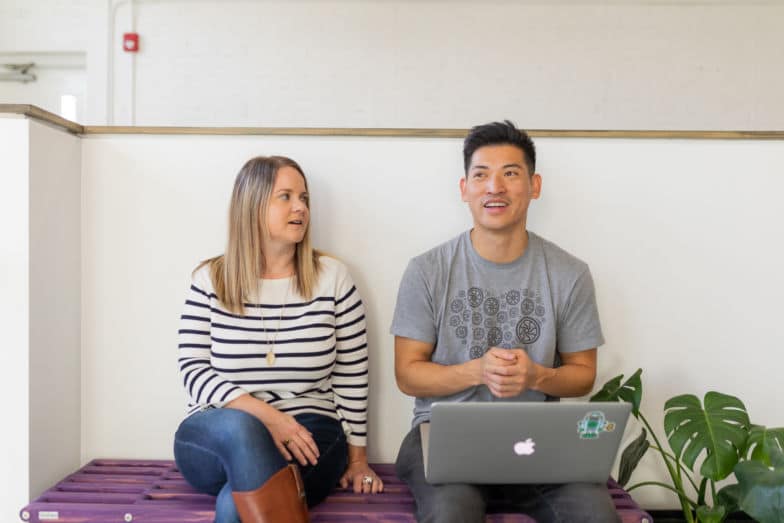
(497, 313)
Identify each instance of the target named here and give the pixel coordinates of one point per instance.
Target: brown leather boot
(280, 500)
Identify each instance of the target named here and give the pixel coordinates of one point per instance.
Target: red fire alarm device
(131, 42)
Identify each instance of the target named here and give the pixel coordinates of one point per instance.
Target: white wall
(55, 305)
(14, 311)
(57, 74)
(46, 28)
(602, 64)
(41, 309)
(408, 63)
(682, 237)
(44, 25)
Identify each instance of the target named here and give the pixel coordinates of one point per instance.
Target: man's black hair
(499, 133)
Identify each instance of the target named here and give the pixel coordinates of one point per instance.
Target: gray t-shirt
(543, 302)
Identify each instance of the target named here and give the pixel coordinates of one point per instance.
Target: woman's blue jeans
(223, 450)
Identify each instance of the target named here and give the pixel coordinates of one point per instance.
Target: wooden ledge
(432, 133)
(37, 113)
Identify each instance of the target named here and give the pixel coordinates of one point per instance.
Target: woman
(273, 357)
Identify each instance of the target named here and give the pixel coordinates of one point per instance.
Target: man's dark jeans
(463, 503)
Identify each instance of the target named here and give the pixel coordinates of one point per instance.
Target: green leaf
(720, 430)
(761, 443)
(630, 390)
(761, 488)
(631, 456)
(728, 496)
(707, 514)
(777, 458)
(701, 492)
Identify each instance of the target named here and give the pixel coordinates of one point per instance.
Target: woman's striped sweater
(320, 347)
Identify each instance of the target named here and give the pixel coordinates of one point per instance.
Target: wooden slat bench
(153, 491)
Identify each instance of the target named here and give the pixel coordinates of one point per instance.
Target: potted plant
(719, 429)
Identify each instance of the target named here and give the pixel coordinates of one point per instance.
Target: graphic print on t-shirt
(484, 318)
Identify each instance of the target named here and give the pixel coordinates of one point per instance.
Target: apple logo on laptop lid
(525, 448)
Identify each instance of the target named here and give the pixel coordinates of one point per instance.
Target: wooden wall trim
(433, 133)
(37, 113)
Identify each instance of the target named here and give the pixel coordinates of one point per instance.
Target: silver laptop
(535, 442)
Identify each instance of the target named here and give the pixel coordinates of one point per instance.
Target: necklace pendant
(270, 358)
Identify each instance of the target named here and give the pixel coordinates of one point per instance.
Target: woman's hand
(292, 439)
(361, 476)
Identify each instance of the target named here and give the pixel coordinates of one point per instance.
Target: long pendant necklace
(271, 339)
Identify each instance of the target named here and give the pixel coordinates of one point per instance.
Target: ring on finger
(286, 442)
(367, 480)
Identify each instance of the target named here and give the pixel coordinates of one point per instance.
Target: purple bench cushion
(153, 491)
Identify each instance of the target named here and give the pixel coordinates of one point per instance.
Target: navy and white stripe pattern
(320, 346)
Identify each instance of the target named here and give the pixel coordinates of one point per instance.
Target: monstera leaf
(720, 429)
(728, 496)
(761, 488)
(762, 442)
(706, 514)
(630, 390)
(631, 456)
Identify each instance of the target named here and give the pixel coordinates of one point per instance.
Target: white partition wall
(55, 305)
(40, 170)
(682, 236)
(14, 311)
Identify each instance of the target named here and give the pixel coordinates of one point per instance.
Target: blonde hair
(235, 273)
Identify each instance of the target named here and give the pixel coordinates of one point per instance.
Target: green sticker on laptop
(593, 424)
